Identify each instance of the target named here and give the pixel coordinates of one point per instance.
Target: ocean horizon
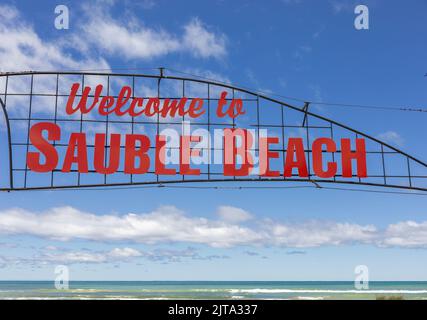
(226, 290)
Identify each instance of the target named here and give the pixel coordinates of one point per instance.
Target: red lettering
(295, 147)
(172, 107)
(347, 156)
(131, 153)
(132, 110)
(317, 152)
(83, 99)
(100, 153)
(122, 99)
(49, 151)
(160, 157)
(266, 155)
(105, 106)
(186, 153)
(152, 107)
(77, 141)
(233, 110)
(196, 108)
(155, 106)
(231, 151)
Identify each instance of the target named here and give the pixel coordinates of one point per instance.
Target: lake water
(211, 290)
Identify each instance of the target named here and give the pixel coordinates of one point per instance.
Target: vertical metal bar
(9, 134)
(258, 128)
(182, 127)
(382, 156)
(234, 126)
(133, 118)
(308, 146)
(158, 114)
(357, 136)
(106, 132)
(183, 95)
(28, 130)
(333, 153)
(283, 139)
(409, 172)
(9, 137)
(234, 120)
(81, 123)
(55, 118)
(209, 136)
(305, 109)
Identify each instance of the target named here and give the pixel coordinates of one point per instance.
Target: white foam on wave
(310, 298)
(258, 290)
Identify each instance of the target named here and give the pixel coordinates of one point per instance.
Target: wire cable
(332, 104)
(269, 93)
(216, 187)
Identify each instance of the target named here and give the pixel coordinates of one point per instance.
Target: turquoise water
(211, 290)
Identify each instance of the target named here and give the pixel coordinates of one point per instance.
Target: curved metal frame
(304, 111)
(9, 138)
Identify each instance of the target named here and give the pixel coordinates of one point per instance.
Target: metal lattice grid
(32, 97)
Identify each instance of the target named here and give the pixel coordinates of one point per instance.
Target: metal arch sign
(71, 130)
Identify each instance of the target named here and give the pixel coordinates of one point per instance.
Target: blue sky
(297, 48)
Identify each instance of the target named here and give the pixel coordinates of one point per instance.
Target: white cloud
(317, 233)
(391, 137)
(164, 224)
(95, 33)
(203, 43)
(168, 255)
(134, 40)
(69, 257)
(8, 13)
(86, 256)
(167, 224)
(124, 253)
(131, 42)
(233, 214)
(74, 257)
(409, 234)
(21, 48)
